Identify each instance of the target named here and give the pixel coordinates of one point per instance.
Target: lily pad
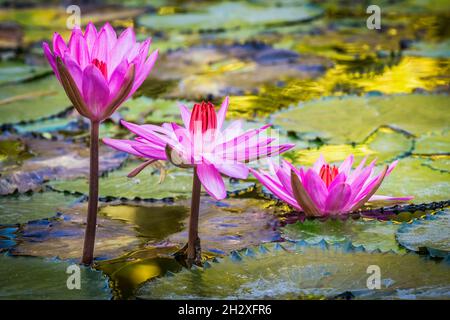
(34, 278)
(413, 177)
(23, 208)
(363, 115)
(52, 160)
(434, 50)
(232, 224)
(177, 184)
(372, 235)
(147, 110)
(231, 15)
(32, 101)
(17, 72)
(385, 145)
(277, 272)
(430, 234)
(63, 236)
(433, 143)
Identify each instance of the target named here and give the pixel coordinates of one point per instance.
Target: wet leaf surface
(52, 160)
(146, 185)
(272, 272)
(372, 235)
(23, 208)
(35, 279)
(430, 234)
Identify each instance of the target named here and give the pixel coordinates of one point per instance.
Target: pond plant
(325, 189)
(98, 71)
(202, 144)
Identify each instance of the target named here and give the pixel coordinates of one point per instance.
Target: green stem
(91, 222)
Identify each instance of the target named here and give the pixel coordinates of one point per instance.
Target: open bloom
(99, 70)
(324, 189)
(201, 143)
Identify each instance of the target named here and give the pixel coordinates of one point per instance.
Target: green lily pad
(177, 184)
(372, 235)
(277, 272)
(441, 163)
(412, 177)
(32, 100)
(18, 72)
(243, 15)
(433, 143)
(385, 145)
(63, 236)
(352, 119)
(33, 278)
(147, 110)
(23, 208)
(431, 234)
(49, 160)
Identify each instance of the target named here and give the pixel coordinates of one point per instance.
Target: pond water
(314, 70)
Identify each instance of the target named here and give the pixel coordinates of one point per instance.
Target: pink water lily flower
(324, 189)
(99, 70)
(201, 143)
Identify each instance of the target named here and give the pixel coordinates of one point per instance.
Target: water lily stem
(91, 222)
(193, 250)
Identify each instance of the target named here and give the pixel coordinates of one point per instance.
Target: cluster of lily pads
(143, 220)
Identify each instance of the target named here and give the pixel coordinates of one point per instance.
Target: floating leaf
(177, 184)
(385, 145)
(32, 100)
(147, 110)
(17, 72)
(363, 115)
(372, 235)
(275, 272)
(413, 177)
(63, 236)
(33, 278)
(232, 224)
(431, 234)
(433, 143)
(52, 160)
(244, 15)
(23, 208)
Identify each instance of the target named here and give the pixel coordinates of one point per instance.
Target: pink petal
(123, 45)
(389, 199)
(142, 74)
(59, 46)
(117, 78)
(235, 170)
(318, 164)
(211, 180)
(74, 70)
(123, 145)
(146, 133)
(346, 166)
(222, 113)
(95, 90)
(316, 189)
(338, 198)
(277, 189)
(78, 48)
(151, 151)
(90, 35)
(50, 58)
(185, 115)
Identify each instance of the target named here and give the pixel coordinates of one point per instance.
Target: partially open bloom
(324, 189)
(99, 70)
(201, 143)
